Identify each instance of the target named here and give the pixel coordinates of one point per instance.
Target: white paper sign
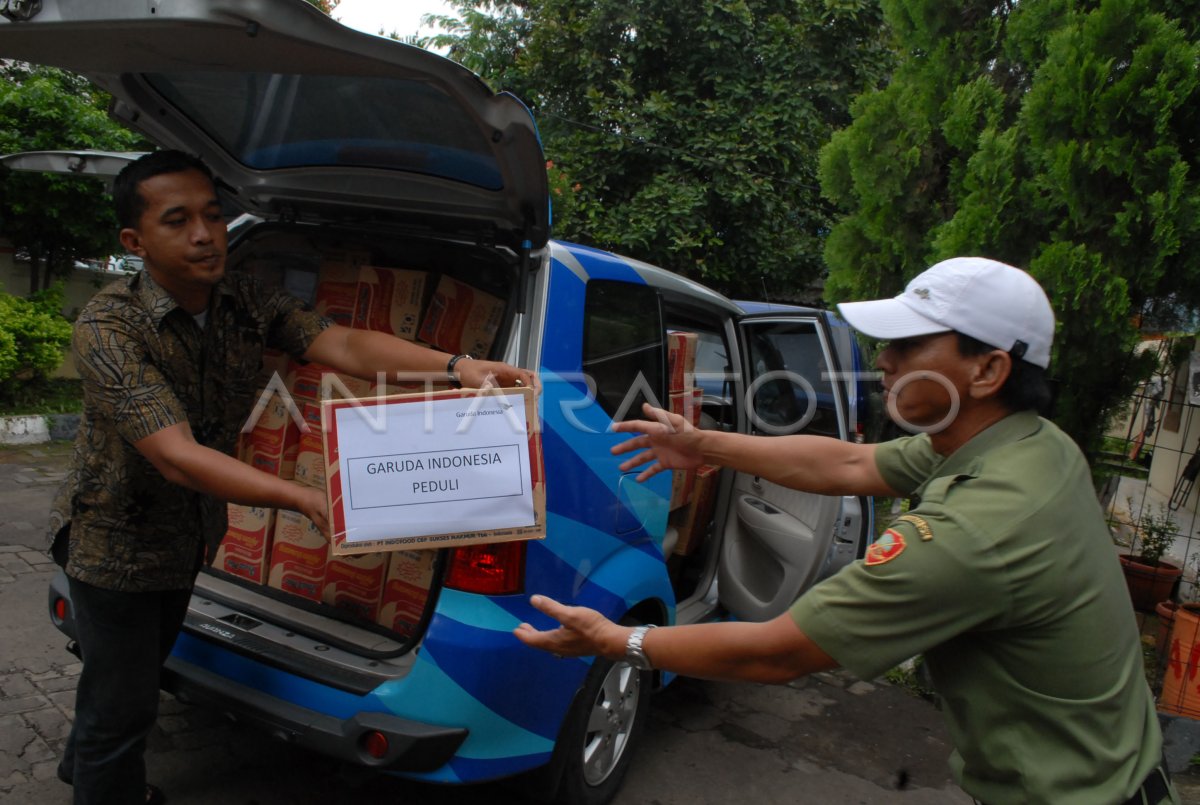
(434, 467)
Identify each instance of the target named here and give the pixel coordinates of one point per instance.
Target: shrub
(33, 335)
(1155, 533)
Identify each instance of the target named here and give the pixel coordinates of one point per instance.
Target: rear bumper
(411, 746)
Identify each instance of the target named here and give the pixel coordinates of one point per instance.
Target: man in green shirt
(1002, 574)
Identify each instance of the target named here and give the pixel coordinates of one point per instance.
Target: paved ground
(829, 739)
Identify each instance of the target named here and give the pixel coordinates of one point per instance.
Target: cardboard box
(310, 460)
(390, 301)
(298, 556)
(355, 584)
(246, 549)
(438, 470)
(687, 404)
(272, 444)
(682, 482)
(462, 319)
(314, 382)
(681, 360)
(692, 521)
(337, 291)
(409, 577)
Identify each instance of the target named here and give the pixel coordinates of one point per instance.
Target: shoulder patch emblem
(918, 523)
(890, 545)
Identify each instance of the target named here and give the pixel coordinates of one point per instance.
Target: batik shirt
(147, 364)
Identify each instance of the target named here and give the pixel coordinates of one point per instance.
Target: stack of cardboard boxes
(692, 491)
(283, 549)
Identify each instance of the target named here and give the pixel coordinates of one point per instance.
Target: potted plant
(1149, 578)
(1188, 594)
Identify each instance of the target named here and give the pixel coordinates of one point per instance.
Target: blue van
(330, 140)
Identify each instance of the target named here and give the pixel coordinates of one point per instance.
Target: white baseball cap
(989, 301)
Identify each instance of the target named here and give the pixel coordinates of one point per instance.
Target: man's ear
(990, 373)
(132, 241)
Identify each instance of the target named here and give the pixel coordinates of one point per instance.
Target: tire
(599, 736)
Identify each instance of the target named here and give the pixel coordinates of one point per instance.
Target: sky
(401, 16)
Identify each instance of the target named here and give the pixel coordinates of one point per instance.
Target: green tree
(326, 6)
(1058, 136)
(55, 219)
(685, 134)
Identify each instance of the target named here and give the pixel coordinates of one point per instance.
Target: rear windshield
(276, 120)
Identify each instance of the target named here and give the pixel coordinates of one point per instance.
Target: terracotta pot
(1149, 584)
(1180, 692)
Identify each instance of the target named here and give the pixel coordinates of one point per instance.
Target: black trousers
(124, 639)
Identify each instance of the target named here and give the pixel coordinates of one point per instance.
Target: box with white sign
(455, 467)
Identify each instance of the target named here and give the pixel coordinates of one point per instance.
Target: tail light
(376, 744)
(494, 569)
(60, 609)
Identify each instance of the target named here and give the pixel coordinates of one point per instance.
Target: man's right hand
(669, 440)
(312, 504)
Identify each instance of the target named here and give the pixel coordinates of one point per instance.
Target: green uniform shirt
(1005, 578)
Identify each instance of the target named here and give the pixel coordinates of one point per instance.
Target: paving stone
(6, 577)
(169, 705)
(23, 704)
(172, 725)
(12, 779)
(46, 770)
(64, 700)
(13, 734)
(13, 563)
(35, 557)
(72, 669)
(13, 685)
(769, 727)
(860, 688)
(12, 549)
(35, 666)
(50, 724)
(37, 750)
(58, 683)
(196, 739)
(21, 525)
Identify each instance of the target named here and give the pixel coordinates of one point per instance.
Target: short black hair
(128, 201)
(1027, 387)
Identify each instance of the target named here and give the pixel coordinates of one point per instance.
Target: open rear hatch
(360, 157)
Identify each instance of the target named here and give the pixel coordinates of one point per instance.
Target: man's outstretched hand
(583, 632)
(668, 440)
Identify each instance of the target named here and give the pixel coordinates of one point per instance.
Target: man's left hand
(584, 632)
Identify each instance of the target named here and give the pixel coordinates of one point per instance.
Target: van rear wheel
(602, 731)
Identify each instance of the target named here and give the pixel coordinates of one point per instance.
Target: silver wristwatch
(634, 654)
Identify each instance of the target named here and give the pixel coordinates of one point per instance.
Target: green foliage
(55, 219)
(1154, 535)
(690, 130)
(1055, 136)
(327, 6)
(52, 395)
(33, 336)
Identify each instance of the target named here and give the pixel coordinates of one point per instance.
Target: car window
(791, 385)
(623, 347)
(277, 120)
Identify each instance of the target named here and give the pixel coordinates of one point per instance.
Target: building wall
(1175, 437)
